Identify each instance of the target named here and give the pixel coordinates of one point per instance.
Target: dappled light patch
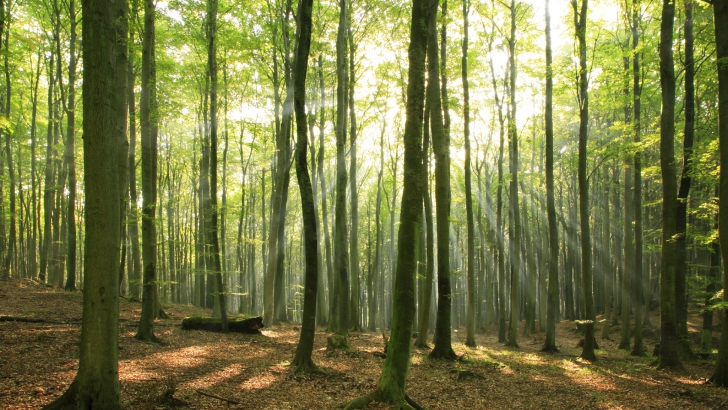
(206, 370)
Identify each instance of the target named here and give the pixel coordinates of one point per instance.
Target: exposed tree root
(306, 366)
(443, 354)
(550, 349)
(334, 342)
(66, 401)
(148, 339)
(406, 403)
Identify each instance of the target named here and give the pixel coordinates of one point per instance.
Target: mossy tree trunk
(96, 385)
(148, 118)
(391, 385)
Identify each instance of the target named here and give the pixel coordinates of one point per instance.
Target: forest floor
(199, 369)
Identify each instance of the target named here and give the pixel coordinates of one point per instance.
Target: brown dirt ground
(39, 360)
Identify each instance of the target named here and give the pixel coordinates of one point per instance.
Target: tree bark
(553, 257)
(302, 360)
(638, 349)
(720, 13)
(148, 119)
(587, 352)
(441, 145)
(97, 382)
(515, 239)
(681, 266)
(71, 152)
(470, 337)
(391, 385)
(669, 357)
(341, 251)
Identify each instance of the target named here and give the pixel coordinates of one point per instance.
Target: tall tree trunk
(97, 381)
(638, 349)
(132, 216)
(354, 313)
(33, 177)
(515, 239)
(11, 255)
(681, 266)
(302, 360)
(46, 251)
(71, 152)
(669, 357)
(441, 145)
(720, 13)
(470, 338)
(391, 385)
(587, 352)
(553, 256)
(212, 230)
(148, 119)
(341, 251)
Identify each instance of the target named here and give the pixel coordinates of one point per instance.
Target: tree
(553, 256)
(341, 251)
(391, 385)
(720, 13)
(148, 119)
(638, 349)
(668, 329)
(514, 212)
(303, 361)
(681, 268)
(441, 147)
(96, 384)
(470, 338)
(70, 152)
(587, 352)
(211, 208)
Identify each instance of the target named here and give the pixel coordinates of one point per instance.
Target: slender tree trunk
(587, 352)
(354, 313)
(391, 385)
(341, 252)
(441, 145)
(148, 119)
(470, 338)
(303, 361)
(553, 256)
(212, 230)
(71, 152)
(669, 357)
(515, 239)
(11, 255)
(681, 266)
(638, 349)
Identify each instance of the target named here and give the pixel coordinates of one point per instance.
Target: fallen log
(7, 318)
(241, 324)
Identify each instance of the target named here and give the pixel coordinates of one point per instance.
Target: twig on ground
(217, 397)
